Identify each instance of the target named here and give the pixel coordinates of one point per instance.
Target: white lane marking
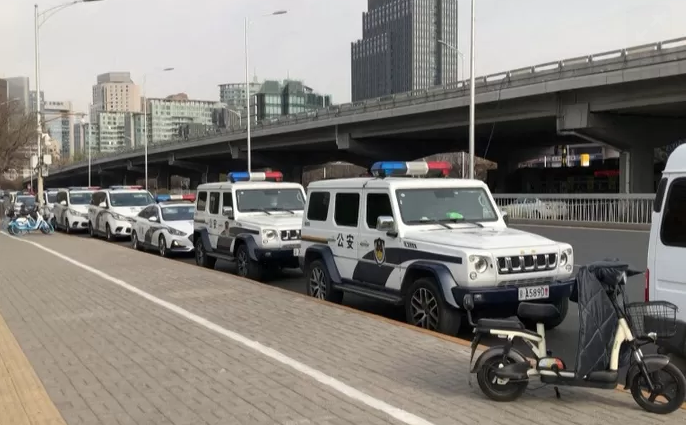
(581, 228)
(333, 383)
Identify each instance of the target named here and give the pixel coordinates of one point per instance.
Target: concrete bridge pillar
(637, 170)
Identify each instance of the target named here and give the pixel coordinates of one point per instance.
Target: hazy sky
(203, 39)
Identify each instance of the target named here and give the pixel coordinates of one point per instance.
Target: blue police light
(414, 168)
(162, 198)
(272, 176)
(239, 177)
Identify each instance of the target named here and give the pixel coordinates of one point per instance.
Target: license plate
(296, 252)
(534, 293)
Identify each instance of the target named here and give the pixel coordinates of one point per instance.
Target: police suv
(71, 208)
(111, 210)
(424, 243)
(166, 226)
(253, 219)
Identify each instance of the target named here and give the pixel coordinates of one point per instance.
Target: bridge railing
(623, 210)
(516, 77)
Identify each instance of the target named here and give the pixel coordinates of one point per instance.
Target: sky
(203, 40)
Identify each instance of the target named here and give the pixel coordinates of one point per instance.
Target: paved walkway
(125, 337)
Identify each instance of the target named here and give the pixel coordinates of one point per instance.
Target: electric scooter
(503, 372)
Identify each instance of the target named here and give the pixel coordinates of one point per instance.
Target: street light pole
(247, 85)
(472, 95)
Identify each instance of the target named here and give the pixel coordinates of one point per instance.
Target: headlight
(119, 217)
(269, 234)
(565, 256)
(175, 232)
(479, 263)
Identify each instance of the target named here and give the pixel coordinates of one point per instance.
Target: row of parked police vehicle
(405, 235)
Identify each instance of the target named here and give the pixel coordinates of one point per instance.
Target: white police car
(253, 218)
(111, 211)
(49, 199)
(71, 208)
(424, 243)
(166, 226)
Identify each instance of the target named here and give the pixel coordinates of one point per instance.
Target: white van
(665, 279)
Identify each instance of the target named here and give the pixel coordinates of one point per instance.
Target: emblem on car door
(379, 251)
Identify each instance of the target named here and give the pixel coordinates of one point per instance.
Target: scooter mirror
(468, 302)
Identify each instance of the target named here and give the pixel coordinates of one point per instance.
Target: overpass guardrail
(618, 211)
(619, 59)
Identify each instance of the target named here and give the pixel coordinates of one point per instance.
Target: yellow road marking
(23, 399)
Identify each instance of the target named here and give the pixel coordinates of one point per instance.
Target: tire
(562, 307)
(201, 257)
(108, 233)
(66, 226)
(162, 247)
(661, 409)
(319, 283)
(135, 243)
(426, 308)
(245, 266)
(510, 391)
(91, 230)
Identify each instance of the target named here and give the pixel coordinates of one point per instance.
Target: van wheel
(319, 283)
(201, 257)
(245, 266)
(426, 308)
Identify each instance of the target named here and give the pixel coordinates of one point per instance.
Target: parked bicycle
(28, 221)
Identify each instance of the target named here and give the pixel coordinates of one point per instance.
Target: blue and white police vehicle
(70, 211)
(253, 219)
(166, 227)
(411, 236)
(111, 210)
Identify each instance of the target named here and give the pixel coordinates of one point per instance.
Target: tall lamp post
(472, 91)
(461, 56)
(39, 19)
(247, 81)
(145, 123)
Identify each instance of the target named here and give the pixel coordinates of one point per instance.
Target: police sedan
(166, 226)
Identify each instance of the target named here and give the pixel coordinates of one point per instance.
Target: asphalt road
(589, 245)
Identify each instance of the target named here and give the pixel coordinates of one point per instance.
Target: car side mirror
(63, 203)
(153, 218)
(102, 205)
(506, 217)
(385, 223)
(227, 212)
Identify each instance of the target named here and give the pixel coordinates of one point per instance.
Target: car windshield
(178, 213)
(80, 198)
(131, 199)
(26, 200)
(445, 205)
(270, 200)
(51, 198)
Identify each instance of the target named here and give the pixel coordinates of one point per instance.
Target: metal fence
(622, 209)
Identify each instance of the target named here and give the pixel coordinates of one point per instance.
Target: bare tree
(17, 134)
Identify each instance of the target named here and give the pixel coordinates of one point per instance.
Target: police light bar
(412, 169)
(83, 188)
(125, 187)
(267, 176)
(166, 198)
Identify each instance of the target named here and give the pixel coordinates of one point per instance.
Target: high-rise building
(234, 96)
(32, 100)
(276, 99)
(179, 117)
(116, 92)
(58, 123)
(112, 135)
(18, 91)
(400, 49)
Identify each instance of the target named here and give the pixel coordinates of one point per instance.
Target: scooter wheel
(669, 396)
(495, 389)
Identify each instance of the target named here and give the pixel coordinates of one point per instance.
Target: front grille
(290, 235)
(526, 263)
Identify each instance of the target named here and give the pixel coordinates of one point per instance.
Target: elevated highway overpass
(632, 99)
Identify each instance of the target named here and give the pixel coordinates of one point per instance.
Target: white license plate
(296, 252)
(534, 293)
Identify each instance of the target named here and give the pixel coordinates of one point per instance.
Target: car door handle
(364, 244)
(331, 239)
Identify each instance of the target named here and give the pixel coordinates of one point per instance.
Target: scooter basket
(653, 316)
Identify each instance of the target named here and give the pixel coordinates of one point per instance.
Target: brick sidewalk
(106, 355)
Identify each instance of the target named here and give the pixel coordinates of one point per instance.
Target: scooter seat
(537, 312)
(512, 323)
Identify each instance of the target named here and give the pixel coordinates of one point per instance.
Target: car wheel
(247, 267)
(91, 231)
(426, 308)
(319, 283)
(108, 233)
(66, 226)
(162, 246)
(201, 257)
(135, 243)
